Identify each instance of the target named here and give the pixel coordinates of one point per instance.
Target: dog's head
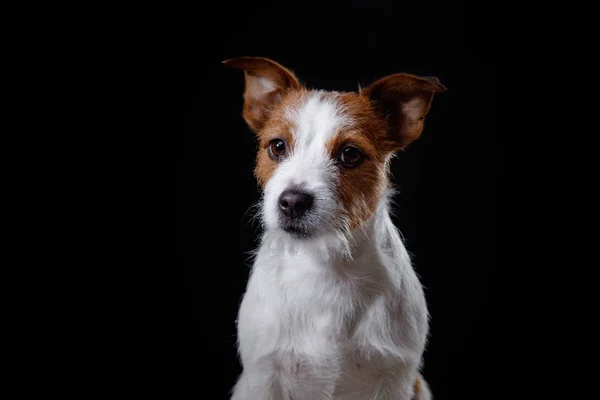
(323, 156)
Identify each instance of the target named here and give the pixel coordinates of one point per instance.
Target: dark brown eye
(350, 156)
(277, 149)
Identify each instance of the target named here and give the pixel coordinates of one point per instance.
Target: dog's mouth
(296, 231)
(297, 228)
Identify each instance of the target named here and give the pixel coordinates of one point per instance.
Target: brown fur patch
(417, 388)
(361, 187)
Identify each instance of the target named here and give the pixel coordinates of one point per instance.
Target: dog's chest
(297, 308)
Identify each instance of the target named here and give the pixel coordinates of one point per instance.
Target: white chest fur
(315, 327)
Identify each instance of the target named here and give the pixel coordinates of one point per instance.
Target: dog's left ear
(266, 83)
(405, 101)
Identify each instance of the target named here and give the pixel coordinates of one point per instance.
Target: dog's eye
(350, 156)
(277, 149)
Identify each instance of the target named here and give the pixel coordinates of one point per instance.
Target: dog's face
(323, 156)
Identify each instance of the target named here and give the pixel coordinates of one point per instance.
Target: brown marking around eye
(278, 126)
(361, 187)
(351, 138)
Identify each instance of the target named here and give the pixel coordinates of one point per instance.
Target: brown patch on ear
(266, 82)
(405, 100)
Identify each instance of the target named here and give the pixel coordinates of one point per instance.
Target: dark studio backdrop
(448, 181)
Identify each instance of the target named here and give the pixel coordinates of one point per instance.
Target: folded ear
(405, 100)
(266, 82)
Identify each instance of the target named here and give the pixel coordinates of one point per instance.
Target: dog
(333, 308)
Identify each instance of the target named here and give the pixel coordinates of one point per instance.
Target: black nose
(294, 203)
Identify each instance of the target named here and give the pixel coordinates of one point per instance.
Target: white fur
(265, 85)
(340, 315)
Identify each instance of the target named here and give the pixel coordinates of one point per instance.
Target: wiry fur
(339, 314)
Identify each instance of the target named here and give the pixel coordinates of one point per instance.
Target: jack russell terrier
(333, 308)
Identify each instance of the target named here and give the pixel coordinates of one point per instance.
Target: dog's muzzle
(294, 204)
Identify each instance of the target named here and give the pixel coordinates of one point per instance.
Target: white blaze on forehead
(317, 121)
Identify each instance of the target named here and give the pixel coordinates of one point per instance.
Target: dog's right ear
(266, 82)
(405, 101)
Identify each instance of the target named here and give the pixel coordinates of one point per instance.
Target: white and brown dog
(333, 308)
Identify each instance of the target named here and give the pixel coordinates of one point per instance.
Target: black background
(450, 180)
